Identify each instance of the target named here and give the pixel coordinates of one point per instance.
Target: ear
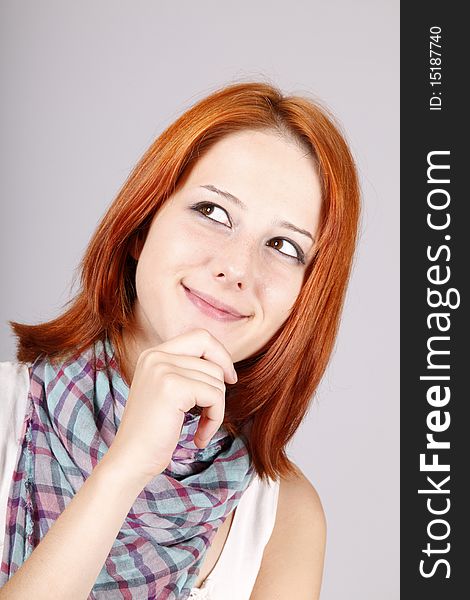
(137, 245)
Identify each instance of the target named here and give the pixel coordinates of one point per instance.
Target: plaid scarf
(74, 411)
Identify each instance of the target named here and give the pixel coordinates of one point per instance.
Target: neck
(131, 353)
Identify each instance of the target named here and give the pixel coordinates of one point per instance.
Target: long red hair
(275, 387)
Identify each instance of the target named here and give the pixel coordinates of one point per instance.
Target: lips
(209, 302)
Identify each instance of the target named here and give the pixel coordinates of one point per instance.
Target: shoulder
(300, 518)
(298, 498)
(13, 373)
(14, 386)
(293, 559)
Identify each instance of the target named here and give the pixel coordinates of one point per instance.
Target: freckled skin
(224, 254)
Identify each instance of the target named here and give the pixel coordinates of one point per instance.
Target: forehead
(261, 169)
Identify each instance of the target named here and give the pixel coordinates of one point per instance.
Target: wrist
(116, 472)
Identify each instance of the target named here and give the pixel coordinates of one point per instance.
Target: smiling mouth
(210, 310)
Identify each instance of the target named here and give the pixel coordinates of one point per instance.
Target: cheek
(194, 246)
(280, 294)
(170, 251)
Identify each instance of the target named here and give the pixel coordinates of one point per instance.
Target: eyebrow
(240, 204)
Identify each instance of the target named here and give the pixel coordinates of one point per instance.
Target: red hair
(275, 387)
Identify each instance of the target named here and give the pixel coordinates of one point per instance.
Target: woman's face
(238, 232)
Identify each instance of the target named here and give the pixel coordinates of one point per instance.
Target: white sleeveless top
(235, 572)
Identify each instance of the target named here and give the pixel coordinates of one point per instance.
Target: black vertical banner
(435, 254)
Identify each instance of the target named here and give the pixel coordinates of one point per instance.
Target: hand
(169, 380)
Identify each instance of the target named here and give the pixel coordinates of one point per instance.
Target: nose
(233, 265)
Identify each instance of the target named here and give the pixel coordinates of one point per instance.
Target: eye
(282, 245)
(207, 209)
(279, 243)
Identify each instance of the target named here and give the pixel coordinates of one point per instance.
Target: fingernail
(234, 373)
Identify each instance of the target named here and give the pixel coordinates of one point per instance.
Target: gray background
(88, 85)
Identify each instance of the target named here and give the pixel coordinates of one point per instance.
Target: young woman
(147, 425)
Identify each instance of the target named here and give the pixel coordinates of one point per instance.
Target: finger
(206, 430)
(193, 363)
(198, 375)
(212, 400)
(202, 344)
